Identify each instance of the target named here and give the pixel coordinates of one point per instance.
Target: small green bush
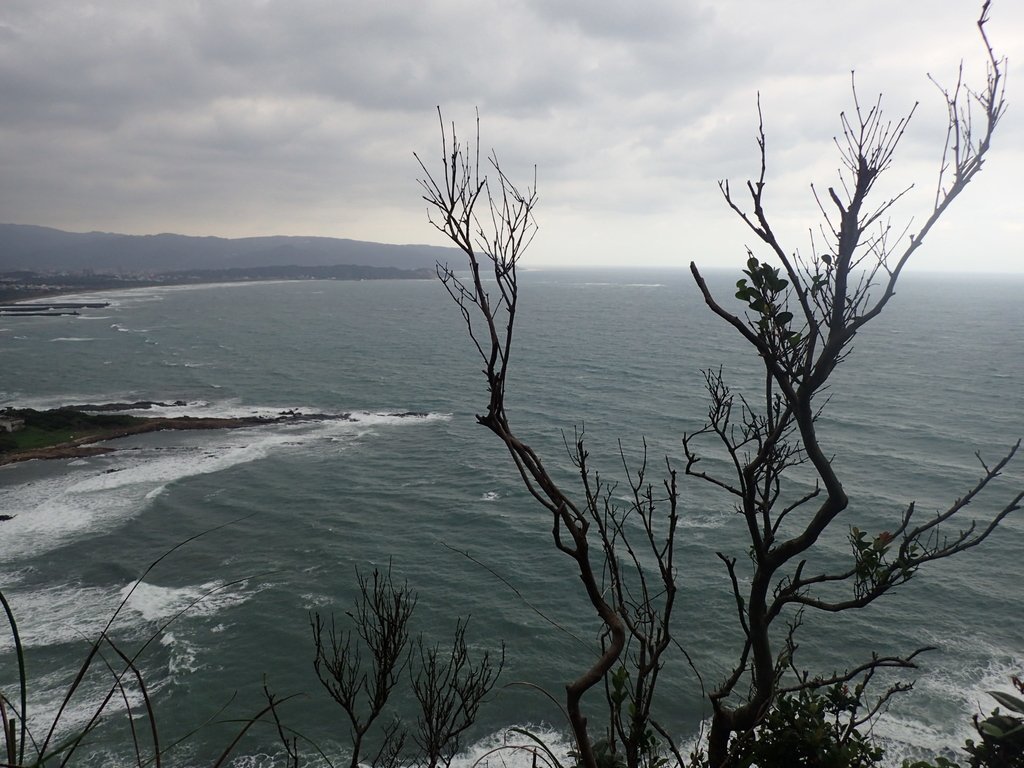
(1002, 734)
(809, 729)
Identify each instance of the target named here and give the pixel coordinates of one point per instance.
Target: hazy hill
(24, 247)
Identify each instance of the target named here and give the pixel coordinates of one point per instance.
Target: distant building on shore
(11, 424)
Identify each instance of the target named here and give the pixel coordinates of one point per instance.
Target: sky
(241, 118)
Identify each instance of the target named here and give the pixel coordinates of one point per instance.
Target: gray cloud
(239, 117)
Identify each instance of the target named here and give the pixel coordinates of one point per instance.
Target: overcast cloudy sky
(257, 117)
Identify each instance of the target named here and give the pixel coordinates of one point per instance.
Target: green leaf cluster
(1002, 734)
(873, 567)
(809, 728)
(765, 296)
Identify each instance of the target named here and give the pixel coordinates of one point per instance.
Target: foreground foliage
(810, 728)
(361, 666)
(1002, 734)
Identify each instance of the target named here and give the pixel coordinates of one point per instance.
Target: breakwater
(49, 309)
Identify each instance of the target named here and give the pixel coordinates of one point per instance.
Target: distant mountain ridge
(40, 249)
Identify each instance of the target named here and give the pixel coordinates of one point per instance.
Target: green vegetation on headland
(68, 432)
(71, 431)
(44, 429)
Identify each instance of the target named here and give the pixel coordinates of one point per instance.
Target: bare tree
(801, 316)
(801, 321)
(361, 666)
(450, 689)
(636, 613)
(381, 630)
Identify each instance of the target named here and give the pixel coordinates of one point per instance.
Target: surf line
(95, 428)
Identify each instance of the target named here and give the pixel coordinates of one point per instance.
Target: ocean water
(285, 514)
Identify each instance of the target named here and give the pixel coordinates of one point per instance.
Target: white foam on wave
(73, 338)
(265, 760)
(380, 418)
(599, 284)
(904, 738)
(312, 600)
(46, 402)
(189, 408)
(129, 296)
(100, 495)
(75, 616)
(155, 603)
(981, 667)
(698, 521)
(60, 614)
(185, 364)
(117, 298)
(184, 655)
(361, 424)
(48, 692)
(71, 614)
(48, 514)
(511, 749)
(235, 408)
(121, 329)
(223, 409)
(505, 749)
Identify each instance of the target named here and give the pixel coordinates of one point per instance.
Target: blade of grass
(22, 678)
(94, 649)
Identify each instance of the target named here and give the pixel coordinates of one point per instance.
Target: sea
(204, 554)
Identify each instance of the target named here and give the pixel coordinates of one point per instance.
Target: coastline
(106, 283)
(85, 445)
(87, 294)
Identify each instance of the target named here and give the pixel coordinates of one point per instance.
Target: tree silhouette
(800, 315)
